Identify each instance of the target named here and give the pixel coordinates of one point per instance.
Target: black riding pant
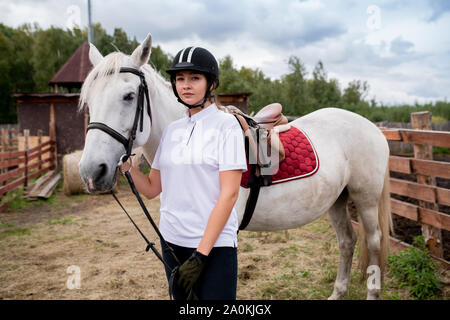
(218, 280)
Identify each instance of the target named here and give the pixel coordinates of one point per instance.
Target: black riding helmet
(195, 59)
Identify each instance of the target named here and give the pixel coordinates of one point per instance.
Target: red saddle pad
(301, 158)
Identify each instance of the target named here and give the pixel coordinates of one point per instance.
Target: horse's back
(345, 128)
(341, 135)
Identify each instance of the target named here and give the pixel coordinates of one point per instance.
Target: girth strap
(250, 206)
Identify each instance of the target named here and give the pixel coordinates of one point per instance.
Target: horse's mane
(110, 67)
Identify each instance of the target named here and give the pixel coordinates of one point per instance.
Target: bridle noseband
(138, 118)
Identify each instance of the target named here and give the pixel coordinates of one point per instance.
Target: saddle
(263, 148)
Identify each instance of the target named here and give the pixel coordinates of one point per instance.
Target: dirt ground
(39, 243)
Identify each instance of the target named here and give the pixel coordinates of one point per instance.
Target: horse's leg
(347, 240)
(369, 217)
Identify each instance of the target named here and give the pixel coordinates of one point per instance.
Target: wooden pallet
(43, 187)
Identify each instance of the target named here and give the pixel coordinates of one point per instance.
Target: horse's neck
(164, 108)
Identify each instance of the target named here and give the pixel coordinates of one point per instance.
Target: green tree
(51, 49)
(295, 99)
(16, 47)
(102, 40)
(230, 79)
(160, 61)
(323, 93)
(356, 91)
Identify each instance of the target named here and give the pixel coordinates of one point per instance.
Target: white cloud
(400, 47)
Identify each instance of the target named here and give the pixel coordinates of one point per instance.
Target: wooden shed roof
(75, 70)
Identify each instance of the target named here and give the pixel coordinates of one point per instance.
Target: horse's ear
(141, 54)
(94, 55)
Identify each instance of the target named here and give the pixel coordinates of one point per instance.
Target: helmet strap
(190, 106)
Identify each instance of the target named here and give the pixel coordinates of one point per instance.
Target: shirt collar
(202, 114)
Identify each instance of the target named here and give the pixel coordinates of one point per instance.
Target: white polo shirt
(192, 152)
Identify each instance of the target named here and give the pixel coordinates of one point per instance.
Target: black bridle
(128, 144)
(138, 118)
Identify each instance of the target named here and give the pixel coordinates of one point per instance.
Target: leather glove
(190, 270)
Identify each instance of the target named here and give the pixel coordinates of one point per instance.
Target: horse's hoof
(336, 296)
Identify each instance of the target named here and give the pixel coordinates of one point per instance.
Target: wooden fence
(428, 196)
(18, 167)
(9, 139)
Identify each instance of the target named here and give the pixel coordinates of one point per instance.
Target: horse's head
(112, 98)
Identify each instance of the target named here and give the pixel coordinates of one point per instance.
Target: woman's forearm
(149, 186)
(217, 220)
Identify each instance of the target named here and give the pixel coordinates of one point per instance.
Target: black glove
(190, 270)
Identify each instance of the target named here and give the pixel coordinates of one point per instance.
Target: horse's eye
(128, 96)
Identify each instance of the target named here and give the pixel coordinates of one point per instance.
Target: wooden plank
(392, 134)
(431, 168)
(4, 206)
(39, 172)
(400, 164)
(39, 147)
(11, 155)
(11, 163)
(47, 191)
(39, 163)
(413, 190)
(11, 174)
(434, 138)
(34, 144)
(42, 152)
(36, 188)
(435, 218)
(443, 196)
(12, 185)
(405, 209)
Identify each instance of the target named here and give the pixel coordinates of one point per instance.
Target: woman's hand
(190, 271)
(125, 167)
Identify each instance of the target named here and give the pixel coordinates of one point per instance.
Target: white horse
(353, 157)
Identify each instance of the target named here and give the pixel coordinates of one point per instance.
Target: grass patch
(16, 200)
(63, 221)
(414, 269)
(441, 150)
(9, 230)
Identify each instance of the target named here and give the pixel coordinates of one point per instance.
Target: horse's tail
(385, 225)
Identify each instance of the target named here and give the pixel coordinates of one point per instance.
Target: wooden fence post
(26, 133)
(4, 143)
(40, 148)
(3, 148)
(432, 235)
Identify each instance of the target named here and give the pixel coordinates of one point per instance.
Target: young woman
(197, 169)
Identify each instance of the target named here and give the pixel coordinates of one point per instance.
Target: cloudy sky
(401, 48)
